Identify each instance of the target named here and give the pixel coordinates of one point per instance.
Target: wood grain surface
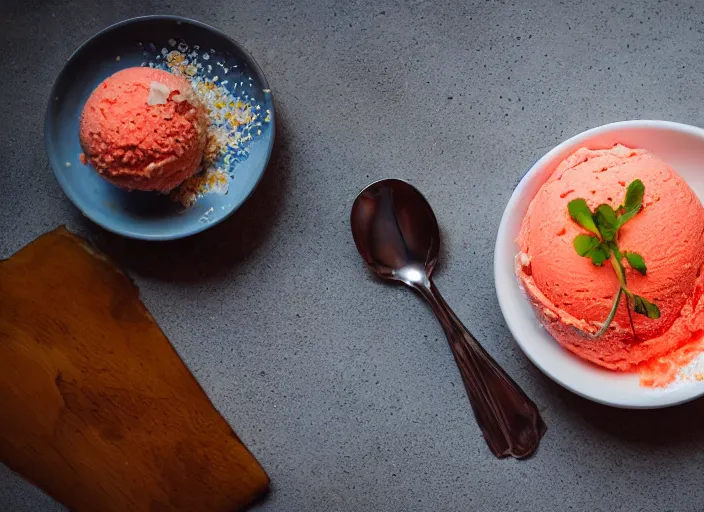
(96, 407)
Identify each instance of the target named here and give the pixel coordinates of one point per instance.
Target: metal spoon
(397, 235)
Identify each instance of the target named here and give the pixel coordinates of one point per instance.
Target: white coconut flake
(525, 259)
(158, 94)
(206, 216)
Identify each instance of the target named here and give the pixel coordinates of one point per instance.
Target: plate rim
(199, 227)
(502, 293)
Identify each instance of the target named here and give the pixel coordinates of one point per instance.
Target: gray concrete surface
(344, 388)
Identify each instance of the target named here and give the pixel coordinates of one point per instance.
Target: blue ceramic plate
(148, 215)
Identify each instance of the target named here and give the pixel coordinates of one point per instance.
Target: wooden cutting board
(96, 407)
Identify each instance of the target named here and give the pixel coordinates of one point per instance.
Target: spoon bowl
(404, 237)
(397, 235)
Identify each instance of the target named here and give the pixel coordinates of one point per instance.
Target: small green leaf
(636, 262)
(633, 202)
(584, 244)
(591, 247)
(634, 195)
(599, 254)
(582, 215)
(606, 222)
(643, 307)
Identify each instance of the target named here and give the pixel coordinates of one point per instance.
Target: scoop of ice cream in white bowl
(528, 309)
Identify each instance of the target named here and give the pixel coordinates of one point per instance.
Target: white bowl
(682, 147)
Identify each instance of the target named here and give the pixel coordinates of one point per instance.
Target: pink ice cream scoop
(573, 297)
(144, 129)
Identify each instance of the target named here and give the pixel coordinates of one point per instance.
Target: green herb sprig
(604, 224)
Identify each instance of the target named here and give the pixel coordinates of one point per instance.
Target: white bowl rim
(664, 400)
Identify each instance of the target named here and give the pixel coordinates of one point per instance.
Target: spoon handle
(509, 420)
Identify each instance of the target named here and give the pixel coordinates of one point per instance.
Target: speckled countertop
(342, 387)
